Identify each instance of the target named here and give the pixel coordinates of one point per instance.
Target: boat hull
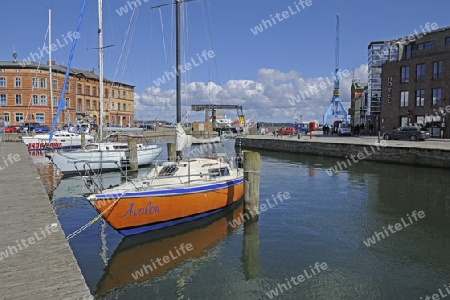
(68, 162)
(137, 212)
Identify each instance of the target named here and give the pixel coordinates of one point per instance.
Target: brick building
(25, 96)
(414, 81)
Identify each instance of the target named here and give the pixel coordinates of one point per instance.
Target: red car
(10, 129)
(290, 130)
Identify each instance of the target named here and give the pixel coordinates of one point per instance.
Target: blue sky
(261, 72)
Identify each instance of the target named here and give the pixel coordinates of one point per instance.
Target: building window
(43, 100)
(447, 40)
(112, 105)
(124, 94)
(408, 51)
(18, 82)
(88, 105)
(18, 99)
(40, 118)
(87, 90)
(106, 93)
(437, 69)
(124, 107)
(112, 93)
(6, 117)
(67, 103)
(94, 91)
(118, 106)
(3, 99)
(2, 81)
(420, 120)
(426, 45)
(420, 72)
(79, 104)
(34, 83)
(404, 98)
(19, 117)
(94, 105)
(404, 74)
(34, 100)
(43, 83)
(67, 86)
(420, 97)
(437, 96)
(55, 85)
(55, 101)
(403, 121)
(78, 88)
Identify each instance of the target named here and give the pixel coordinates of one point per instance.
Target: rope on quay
(85, 226)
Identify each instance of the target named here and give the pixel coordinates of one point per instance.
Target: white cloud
(272, 97)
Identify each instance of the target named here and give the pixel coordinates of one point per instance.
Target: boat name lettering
(149, 209)
(44, 145)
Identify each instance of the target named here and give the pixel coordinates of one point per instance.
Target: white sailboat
(175, 192)
(62, 139)
(111, 154)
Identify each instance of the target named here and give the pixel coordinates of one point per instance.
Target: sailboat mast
(178, 63)
(100, 67)
(50, 57)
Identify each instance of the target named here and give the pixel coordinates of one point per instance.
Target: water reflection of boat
(144, 249)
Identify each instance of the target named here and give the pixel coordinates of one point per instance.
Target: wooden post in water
(171, 151)
(251, 183)
(83, 138)
(132, 158)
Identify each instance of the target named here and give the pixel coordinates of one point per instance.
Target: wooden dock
(36, 261)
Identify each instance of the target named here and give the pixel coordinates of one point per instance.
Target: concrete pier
(36, 260)
(432, 152)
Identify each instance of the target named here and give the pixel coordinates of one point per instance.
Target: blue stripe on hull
(203, 188)
(141, 229)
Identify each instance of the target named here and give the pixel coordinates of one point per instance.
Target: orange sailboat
(175, 192)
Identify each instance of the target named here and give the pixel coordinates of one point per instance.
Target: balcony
(424, 52)
(82, 112)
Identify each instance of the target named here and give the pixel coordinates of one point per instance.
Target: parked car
(28, 127)
(10, 129)
(344, 129)
(302, 127)
(41, 129)
(149, 126)
(289, 130)
(336, 125)
(412, 133)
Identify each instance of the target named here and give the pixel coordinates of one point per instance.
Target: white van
(344, 129)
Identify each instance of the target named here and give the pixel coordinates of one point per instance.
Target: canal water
(311, 240)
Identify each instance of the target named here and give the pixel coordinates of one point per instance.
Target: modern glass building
(378, 53)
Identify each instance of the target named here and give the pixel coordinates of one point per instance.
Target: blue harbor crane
(336, 108)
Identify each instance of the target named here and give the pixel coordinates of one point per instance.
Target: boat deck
(35, 257)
